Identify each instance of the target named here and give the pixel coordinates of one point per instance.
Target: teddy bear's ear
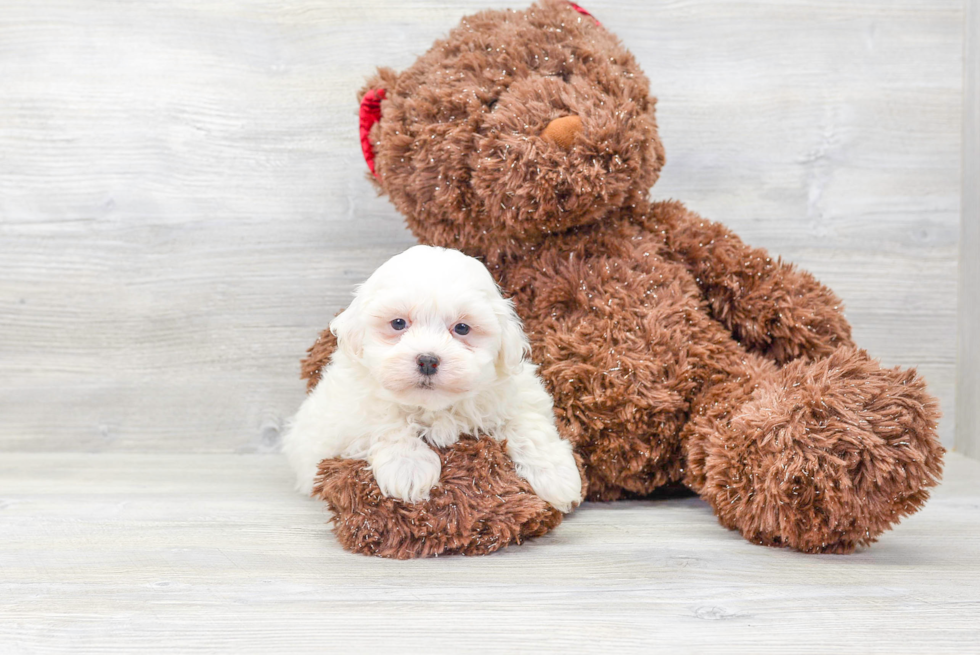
(369, 116)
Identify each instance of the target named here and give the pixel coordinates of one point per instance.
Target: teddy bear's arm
(317, 358)
(770, 306)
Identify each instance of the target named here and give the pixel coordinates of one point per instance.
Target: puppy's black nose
(428, 364)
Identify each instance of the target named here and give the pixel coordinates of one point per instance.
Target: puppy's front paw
(557, 483)
(407, 474)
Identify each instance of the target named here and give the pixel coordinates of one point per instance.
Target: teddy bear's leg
(819, 456)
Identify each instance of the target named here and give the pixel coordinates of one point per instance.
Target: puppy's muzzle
(428, 364)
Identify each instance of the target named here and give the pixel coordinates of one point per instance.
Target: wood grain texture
(119, 552)
(183, 203)
(968, 354)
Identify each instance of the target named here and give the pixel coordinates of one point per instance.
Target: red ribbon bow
(584, 12)
(369, 115)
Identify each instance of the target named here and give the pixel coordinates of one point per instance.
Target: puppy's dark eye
(399, 324)
(462, 329)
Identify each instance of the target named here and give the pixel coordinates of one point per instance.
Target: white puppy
(427, 351)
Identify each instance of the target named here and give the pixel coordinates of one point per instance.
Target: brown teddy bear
(675, 353)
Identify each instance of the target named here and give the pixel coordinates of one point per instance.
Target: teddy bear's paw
(479, 506)
(557, 483)
(406, 474)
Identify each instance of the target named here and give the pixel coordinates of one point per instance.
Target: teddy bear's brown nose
(562, 131)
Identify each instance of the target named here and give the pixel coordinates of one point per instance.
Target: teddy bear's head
(517, 125)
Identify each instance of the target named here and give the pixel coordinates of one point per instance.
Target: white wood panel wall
(183, 204)
(968, 361)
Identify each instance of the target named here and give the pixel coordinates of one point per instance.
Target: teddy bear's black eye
(399, 324)
(462, 329)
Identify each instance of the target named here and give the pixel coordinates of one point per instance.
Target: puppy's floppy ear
(348, 327)
(514, 346)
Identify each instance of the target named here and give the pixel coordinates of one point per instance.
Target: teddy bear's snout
(562, 131)
(553, 155)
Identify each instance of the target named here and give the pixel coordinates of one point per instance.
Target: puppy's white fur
(374, 403)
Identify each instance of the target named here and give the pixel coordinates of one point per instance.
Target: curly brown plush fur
(675, 352)
(479, 506)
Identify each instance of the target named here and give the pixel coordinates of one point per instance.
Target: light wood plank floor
(108, 552)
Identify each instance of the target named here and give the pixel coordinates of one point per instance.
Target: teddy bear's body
(675, 353)
(625, 337)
